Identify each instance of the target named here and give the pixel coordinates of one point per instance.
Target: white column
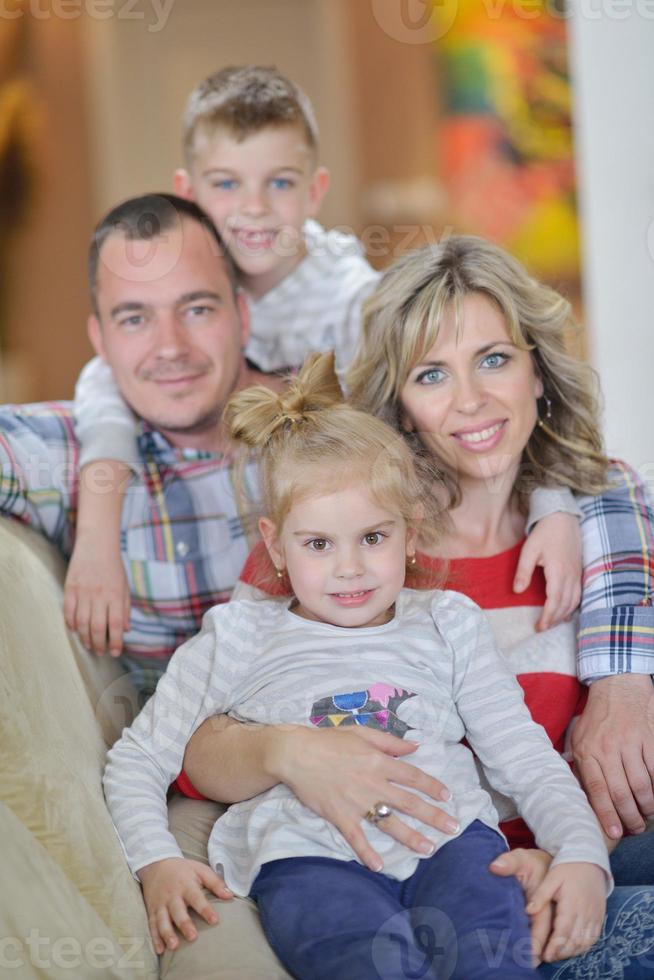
(612, 60)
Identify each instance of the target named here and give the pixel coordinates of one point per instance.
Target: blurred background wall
(456, 114)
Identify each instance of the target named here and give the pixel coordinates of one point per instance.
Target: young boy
(251, 152)
(251, 148)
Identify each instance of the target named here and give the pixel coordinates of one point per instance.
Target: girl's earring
(279, 572)
(412, 561)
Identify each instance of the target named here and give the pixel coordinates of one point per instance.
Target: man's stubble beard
(211, 421)
(206, 423)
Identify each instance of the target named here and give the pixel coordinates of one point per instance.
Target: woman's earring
(548, 409)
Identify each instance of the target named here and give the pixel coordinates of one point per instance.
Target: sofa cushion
(52, 747)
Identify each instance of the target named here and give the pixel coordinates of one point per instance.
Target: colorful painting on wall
(505, 139)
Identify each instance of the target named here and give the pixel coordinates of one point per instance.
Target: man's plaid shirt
(182, 540)
(184, 544)
(616, 626)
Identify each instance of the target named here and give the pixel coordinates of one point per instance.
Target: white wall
(612, 55)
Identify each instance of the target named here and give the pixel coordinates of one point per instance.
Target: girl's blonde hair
(309, 441)
(401, 323)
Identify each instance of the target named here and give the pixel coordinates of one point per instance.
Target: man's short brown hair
(246, 99)
(149, 216)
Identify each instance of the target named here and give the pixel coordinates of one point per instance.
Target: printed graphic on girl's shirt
(377, 707)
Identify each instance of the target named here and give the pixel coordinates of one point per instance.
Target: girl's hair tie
(287, 417)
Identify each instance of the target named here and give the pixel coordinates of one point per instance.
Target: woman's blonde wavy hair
(401, 323)
(309, 441)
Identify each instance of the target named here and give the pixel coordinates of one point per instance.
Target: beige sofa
(69, 906)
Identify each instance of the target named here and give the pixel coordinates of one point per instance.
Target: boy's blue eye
(281, 183)
(495, 360)
(224, 185)
(432, 376)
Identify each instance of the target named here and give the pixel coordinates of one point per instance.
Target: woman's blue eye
(495, 360)
(432, 376)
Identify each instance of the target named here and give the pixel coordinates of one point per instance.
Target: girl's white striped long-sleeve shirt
(432, 674)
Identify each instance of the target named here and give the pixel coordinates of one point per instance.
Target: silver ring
(378, 812)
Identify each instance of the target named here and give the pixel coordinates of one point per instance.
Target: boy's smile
(258, 191)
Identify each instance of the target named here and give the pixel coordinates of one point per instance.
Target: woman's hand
(170, 888)
(555, 544)
(340, 773)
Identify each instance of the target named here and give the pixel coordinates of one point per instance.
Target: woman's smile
(481, 438)
(472, 399)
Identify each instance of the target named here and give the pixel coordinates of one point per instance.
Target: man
(171, 324)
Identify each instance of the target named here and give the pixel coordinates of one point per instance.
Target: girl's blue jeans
(336, 920)
(451, 920)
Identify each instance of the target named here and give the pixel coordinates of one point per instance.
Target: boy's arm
(554, 543)
(96, 595)
(613, 741)
(104, 423)
(544, 501)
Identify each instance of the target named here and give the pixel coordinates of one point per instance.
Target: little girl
(343, 503)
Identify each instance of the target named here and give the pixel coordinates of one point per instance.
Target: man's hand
(341, 773)
(170, 888)
(530, 867)
(96, 595)
(555, 544)
(578, 891)
(613, 748)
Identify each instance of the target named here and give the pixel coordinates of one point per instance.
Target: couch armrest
(52, 744)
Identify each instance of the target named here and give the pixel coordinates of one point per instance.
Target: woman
(465, 354)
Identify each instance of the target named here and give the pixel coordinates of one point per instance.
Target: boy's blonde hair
(401, 322)
(246, 99)
(309, 441)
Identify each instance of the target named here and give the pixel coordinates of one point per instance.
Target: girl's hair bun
(256, 415)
